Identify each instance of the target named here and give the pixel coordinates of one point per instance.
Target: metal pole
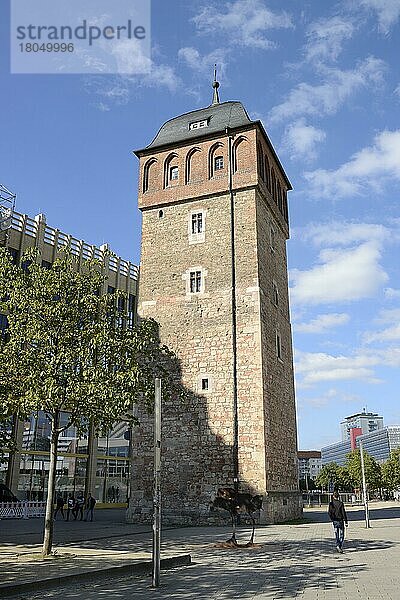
(235, 448)
(157, 486)
(364, 485)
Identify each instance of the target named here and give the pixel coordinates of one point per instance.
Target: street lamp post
(157, 486)
(364, 485)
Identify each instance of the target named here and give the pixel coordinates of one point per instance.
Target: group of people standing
(77, 506)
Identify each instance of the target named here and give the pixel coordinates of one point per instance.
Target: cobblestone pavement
(293, 561)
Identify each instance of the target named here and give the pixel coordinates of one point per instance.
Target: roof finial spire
(215, 86)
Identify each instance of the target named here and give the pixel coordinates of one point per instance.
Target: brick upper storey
(189, 158)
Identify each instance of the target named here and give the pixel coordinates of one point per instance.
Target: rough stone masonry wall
(279, 405)
(197, 436)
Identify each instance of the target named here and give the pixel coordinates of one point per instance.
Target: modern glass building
(378, 444)
(100, 465)
(366, 421)
(335, 453)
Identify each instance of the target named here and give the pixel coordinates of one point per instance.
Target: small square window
(218, 163)
(173, 173)
(204, 384)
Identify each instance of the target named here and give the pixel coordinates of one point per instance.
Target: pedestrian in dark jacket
(70, 505)
(79, 506)
(59, 505)
(90, 504)
(338, 516)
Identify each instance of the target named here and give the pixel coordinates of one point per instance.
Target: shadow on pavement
(279, 570)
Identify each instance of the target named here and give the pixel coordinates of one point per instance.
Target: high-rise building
(213, 196)
(366, 421)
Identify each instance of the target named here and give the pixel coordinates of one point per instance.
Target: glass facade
(3, 469)
(378, 444)
(101, 464)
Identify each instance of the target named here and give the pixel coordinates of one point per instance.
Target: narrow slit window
(204, 384)
(275, 294)
(278, 346)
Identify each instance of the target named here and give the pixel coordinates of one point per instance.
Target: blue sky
(324, 79)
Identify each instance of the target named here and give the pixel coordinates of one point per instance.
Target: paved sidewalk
(295, 561)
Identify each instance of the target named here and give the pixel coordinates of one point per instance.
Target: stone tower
(213, 196)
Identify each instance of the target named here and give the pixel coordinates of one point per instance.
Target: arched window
(211, 157)
(285, 206)
(237, 148)
(260, 162)
(171, 169)
(273, 185)
(267, 174)
(279, 194)
(147, 175)
(189, 164)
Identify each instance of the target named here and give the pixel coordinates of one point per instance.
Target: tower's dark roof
(219, 116)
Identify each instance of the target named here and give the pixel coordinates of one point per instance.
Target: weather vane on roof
(215, 86)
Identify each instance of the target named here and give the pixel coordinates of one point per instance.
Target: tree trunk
(49, 519)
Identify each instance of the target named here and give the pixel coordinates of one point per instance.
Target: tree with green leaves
(391, 471)
(334, 475)
(69, 352)
(373, 475)
(307, 485)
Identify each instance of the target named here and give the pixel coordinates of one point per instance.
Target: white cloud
(327, 97)
(322, 323)
(389, 317)
(204, 63)
(338, 233)
(390, 356)
(300, 140)
(317, 367)
(342, 276)
(387, 11)
(330, 396)
(325, 38)
(377, 163)
(391, 293)
(390, 334)
(103, 107)
(243, 22)
(118, 89)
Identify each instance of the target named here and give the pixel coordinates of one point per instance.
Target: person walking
(90, 504)
(338, 516)
(70, 505)
(79, 505)
(59, 505)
